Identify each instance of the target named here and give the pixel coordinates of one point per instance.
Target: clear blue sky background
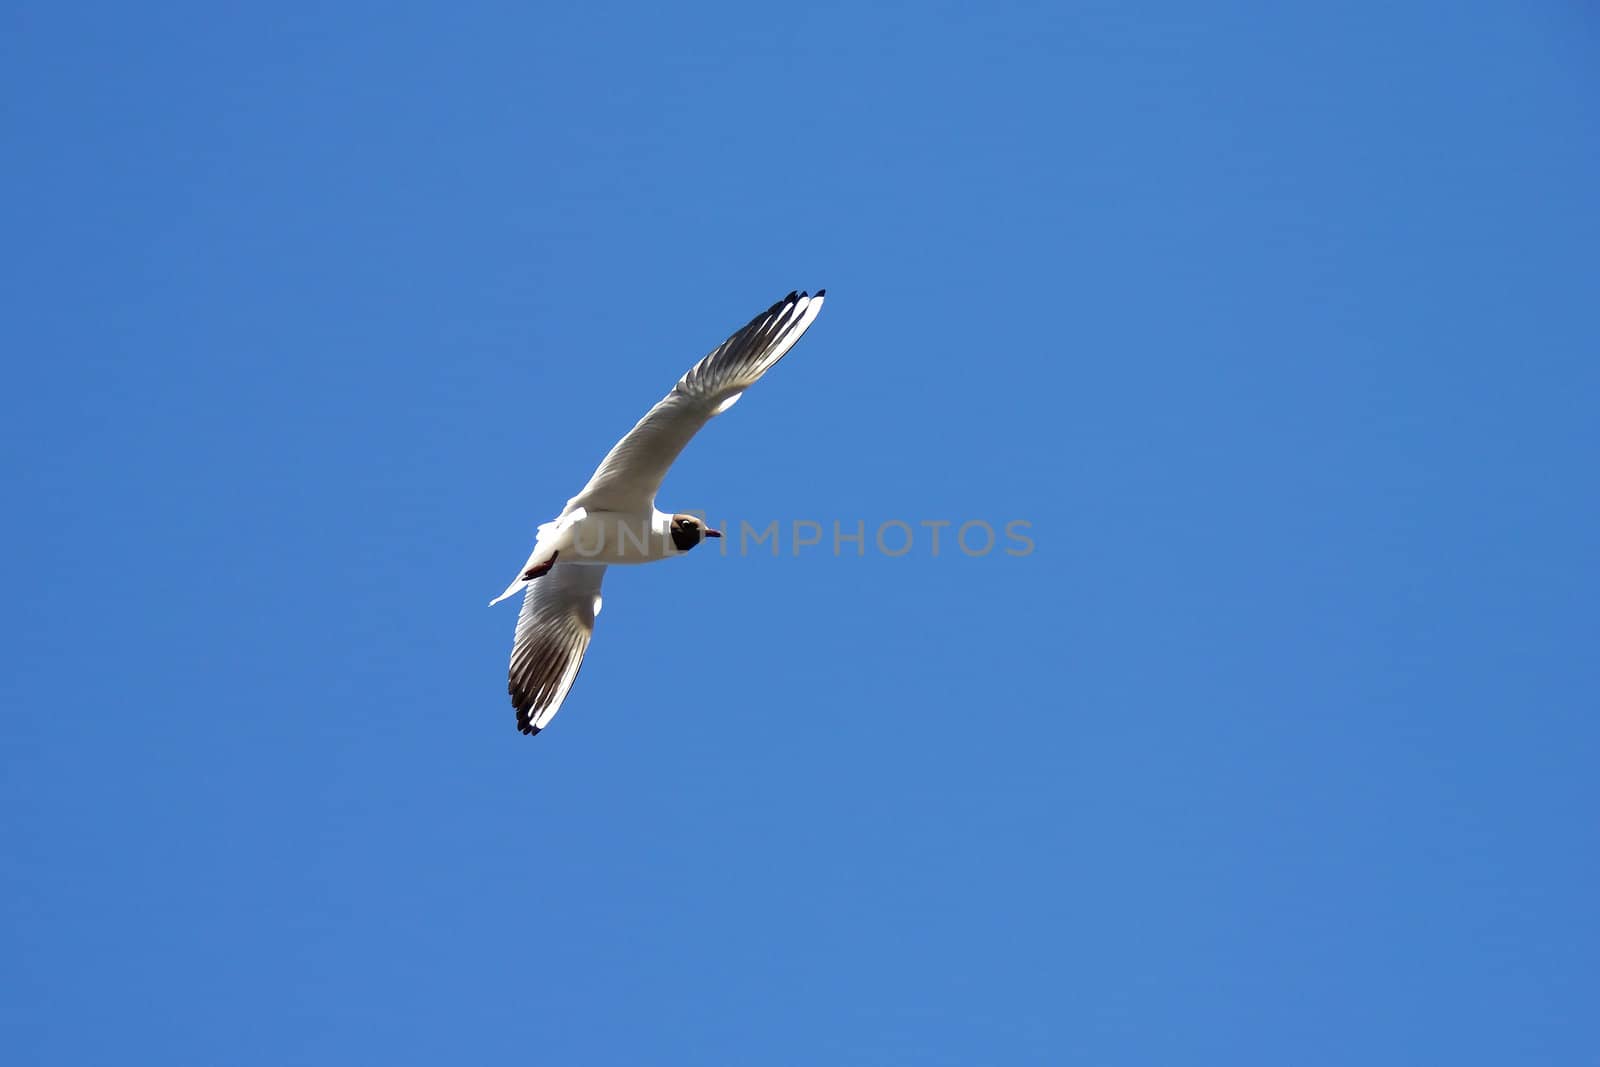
(1278, 326)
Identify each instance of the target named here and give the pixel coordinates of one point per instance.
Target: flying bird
(614, 519)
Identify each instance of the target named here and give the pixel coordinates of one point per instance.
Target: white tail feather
(546, 544)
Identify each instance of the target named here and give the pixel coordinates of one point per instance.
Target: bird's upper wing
(631, 473)
(552, 634)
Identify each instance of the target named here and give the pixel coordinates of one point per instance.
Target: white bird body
(599, 538)
(623, 537)
(614, 520)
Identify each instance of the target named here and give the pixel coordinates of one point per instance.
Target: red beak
(713, 533)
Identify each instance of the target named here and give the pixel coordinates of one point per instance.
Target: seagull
(614, 519)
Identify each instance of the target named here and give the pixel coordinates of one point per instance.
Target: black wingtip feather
(525, 724)
(524, 709)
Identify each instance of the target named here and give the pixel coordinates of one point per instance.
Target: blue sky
(1277, 325)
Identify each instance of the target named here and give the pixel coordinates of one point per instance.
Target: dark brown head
(688, 531)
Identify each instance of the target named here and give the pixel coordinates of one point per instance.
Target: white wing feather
(630, 475)
(553, 633)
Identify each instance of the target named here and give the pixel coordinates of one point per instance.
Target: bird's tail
(545, 545)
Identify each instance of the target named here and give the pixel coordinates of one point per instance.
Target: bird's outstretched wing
(553, 631)
(630, 475)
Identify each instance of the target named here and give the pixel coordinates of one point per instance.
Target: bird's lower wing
(630, 475)
(553, 632)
